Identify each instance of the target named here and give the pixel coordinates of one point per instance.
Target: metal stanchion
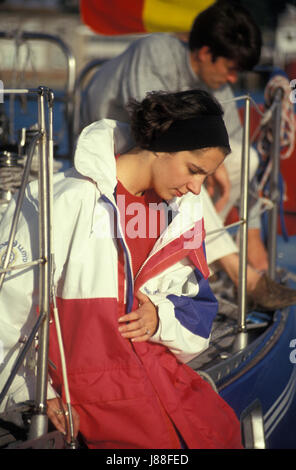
(39, 422)
(242, 335)
(244, 216)
(274, 184)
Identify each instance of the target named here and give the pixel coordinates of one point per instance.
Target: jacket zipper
(127, 254)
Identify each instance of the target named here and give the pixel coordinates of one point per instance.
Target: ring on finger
(59, 412)
(147, 331)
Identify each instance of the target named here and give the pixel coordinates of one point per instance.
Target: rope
(288, 124)
(11, 177)
(265, 138)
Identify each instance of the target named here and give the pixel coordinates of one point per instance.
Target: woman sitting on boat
(132, 291)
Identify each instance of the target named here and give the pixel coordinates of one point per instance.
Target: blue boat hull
(272, 380)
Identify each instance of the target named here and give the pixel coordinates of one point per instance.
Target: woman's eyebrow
(200, 169)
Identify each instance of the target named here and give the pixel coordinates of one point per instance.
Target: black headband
(190, 134)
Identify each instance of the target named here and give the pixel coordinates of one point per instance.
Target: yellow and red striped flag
(140, 16)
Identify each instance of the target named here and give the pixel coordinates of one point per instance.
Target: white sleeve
(231, 114)
(186, 309)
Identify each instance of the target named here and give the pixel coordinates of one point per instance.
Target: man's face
(214, 73)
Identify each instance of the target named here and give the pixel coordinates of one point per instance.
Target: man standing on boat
(224, 40)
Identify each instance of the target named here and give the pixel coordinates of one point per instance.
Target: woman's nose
(195, 185)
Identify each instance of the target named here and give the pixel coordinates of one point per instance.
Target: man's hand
(58, 414)
(142, 323)
(219, 183)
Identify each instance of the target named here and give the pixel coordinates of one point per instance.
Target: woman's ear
(163, 155)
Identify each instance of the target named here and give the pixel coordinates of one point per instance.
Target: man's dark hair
(229, 31)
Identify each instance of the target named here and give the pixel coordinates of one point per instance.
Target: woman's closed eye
(192, 171)
(197, 171)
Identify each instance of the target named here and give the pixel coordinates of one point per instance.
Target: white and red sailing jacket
(126, 393)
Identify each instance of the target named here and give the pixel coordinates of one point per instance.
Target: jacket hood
(97, 145)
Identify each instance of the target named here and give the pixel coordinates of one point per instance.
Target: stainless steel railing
(242, 286)
(39, 422)
(274, 183)
(275, 109)
(44, 138)
(70, 77)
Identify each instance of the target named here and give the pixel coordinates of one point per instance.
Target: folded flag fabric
(140, 16)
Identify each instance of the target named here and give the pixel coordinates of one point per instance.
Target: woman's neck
(134, 170)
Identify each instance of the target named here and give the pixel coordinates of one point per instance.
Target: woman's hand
(58, 414)
(142, 323)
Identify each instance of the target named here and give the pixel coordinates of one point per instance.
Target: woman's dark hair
(229, 30)
(154, 115)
